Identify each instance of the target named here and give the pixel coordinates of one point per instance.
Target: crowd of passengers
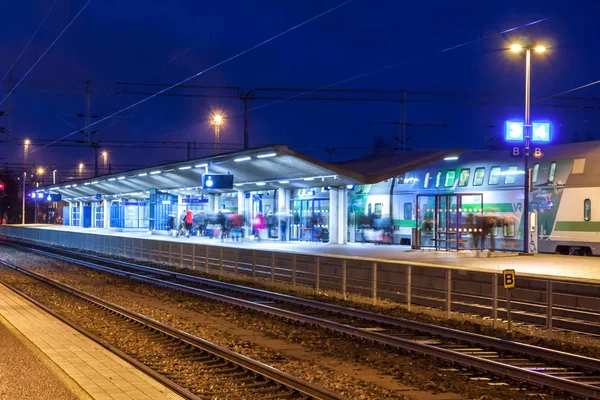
(224, 225)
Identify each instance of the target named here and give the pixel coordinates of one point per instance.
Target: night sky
(168, 41)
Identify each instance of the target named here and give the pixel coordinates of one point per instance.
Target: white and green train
(443, 198)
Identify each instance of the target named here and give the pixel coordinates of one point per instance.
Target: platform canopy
(261, 168)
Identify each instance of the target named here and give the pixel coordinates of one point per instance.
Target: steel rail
(449, 333)
(447, 355)
(282, 378)
(148, 371)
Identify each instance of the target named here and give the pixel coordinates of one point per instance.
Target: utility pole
(10, 104)
(24, 194)
(246, 97)
(88, 99)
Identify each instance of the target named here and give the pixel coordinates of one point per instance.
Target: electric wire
(388, 67)
(272, 38)
(46, 51)
(30, 40)
(571, 90)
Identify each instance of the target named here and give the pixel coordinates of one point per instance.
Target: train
(442, 199)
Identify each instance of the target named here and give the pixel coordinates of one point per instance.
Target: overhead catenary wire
(572, 90)
(30, 40)
(272, 38)
(388, 67)
(46, 51)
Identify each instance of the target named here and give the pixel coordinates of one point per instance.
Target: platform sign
(217, 181)
(540, 132)
(509, 278)
(514, 131)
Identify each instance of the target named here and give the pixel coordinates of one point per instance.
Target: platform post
(273, 267)
(549, 301)
(408, 286)
(170, 252)
(318, 275)
(253, 263)
(508, 313)
(237, 261)
(221, 261)
(193, 257)
(206, 258)
(294, 259)
(159, 250)
(374, 277)
(344, 277)
(494, 300)
(448, 292)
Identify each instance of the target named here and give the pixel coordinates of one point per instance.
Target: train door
(447, 221)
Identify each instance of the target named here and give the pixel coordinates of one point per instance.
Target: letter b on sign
(515, 152)
(509, 278)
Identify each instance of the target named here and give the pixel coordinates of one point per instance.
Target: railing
(553, 303)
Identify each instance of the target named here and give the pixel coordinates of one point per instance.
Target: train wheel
(575, 251)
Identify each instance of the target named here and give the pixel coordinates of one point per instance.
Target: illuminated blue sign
(540, 132)
(514, 131)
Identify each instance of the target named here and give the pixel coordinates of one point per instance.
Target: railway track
(193, 356)
(536, 365)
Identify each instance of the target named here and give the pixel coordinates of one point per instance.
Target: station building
(301, 198)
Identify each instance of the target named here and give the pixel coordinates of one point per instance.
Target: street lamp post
(80, 170)
(105, 159)
(54, 177)
(527, 129)
(217, 121)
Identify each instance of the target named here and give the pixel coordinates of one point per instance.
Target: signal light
(1, 189)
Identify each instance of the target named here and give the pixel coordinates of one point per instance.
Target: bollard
(206, 258)
(221, 261)
(272, 267)
(193, 257)
(344, 277)
(318, 275)
(408, 286)
(549, 301)
(374, 277)
(494, 300)
(294, 269)
(448, 292)
(237, 263)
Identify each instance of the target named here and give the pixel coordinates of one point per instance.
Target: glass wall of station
(309, 215)
(132, 214)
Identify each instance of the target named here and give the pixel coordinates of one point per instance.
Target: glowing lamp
(516, 47)
(514, 131)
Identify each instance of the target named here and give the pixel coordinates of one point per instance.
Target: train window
(408, 210)
(378, 209)
(426, 181)
(438, 179)
(536, 170)
(511, 175)
(478, 176)
(587, 210)
(463, 178)
(509, 227)
(450, 176)
(494, 176)
(552, 172)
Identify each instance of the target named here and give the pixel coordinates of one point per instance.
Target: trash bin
(415, 241)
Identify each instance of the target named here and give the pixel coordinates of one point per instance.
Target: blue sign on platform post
(514, 131)
(540, 132)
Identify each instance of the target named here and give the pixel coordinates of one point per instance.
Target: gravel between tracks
(158, 303)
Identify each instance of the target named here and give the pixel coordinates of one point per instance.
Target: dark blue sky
(167, 41)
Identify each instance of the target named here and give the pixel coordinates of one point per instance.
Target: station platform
(81, 368)
(584, 269)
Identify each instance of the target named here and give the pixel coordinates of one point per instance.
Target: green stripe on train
(405, 223)
(489, 207)
(577, 226)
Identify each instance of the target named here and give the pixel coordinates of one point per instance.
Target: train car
(444, 198)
